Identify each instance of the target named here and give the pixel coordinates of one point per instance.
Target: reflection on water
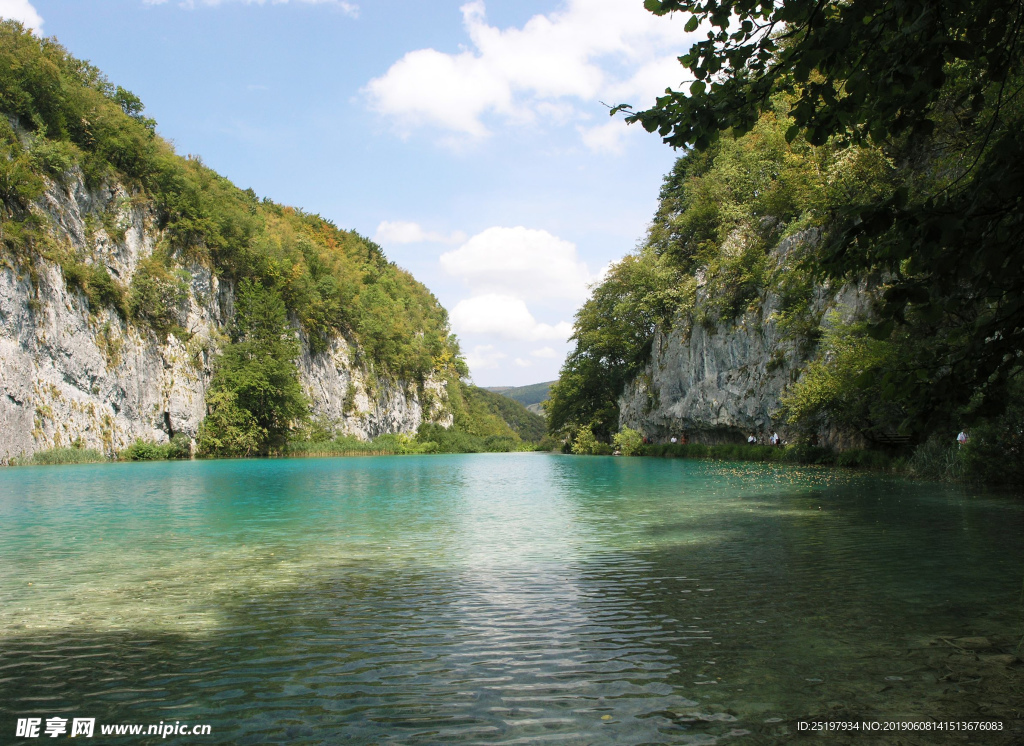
(513, 598)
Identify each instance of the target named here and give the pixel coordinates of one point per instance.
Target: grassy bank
(57, 456)
(428, 439)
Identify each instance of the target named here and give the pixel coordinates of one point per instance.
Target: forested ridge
(888, 138)
(64, 121)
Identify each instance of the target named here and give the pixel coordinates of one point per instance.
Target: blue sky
(468, 138)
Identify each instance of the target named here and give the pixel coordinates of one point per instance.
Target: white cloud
(22, 10)
(523, 363)
(591, 50)
(349, 9)
(605, 138)
(484, 357)
(546, 352)
(520, 261)
(403, 232)
(504, 316)
(451, 91)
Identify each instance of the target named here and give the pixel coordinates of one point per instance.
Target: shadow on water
(373, 656)
(517, 599)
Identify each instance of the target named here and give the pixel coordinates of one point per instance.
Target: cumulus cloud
(506, 317)
(591, 50)
(484, 357)
(605, 138)
(520, 261)
(22, 10)
(545, 352)
(349, 9)
(403, 232)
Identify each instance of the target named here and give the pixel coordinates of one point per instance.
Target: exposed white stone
(70, 373)
(719, 385)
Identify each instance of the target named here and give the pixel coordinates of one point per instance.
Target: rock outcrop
(71, 373)
(720, 384)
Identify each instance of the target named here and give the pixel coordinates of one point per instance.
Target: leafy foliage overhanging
(935, 85)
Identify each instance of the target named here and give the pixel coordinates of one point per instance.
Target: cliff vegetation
(862, 145)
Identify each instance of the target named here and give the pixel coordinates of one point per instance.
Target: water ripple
(505, 599)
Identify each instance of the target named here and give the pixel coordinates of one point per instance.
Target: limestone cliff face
(720, 384)
(71, 373)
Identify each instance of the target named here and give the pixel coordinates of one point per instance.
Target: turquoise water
(507, 598)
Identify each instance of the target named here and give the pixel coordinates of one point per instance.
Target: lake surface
(508, 598)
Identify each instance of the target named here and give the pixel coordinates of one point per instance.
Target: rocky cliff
(720, 383)
(74, 372)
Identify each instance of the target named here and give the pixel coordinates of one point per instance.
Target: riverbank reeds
(346, 445)
(429, 439)
(57, 456)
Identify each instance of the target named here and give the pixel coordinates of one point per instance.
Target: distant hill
(486, 406)
(530, 396)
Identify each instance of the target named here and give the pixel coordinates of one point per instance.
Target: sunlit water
(515, 598)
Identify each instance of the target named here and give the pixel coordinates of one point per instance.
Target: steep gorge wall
(720, 384)
(70, 373)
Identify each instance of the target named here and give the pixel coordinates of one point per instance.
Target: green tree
(614, 331)
(260, 397)
(227, 429)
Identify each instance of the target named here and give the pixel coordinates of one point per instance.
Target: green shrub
(501, 444)
(157, 293)
(19, 185)
(808, 454)
(450, 440)
(53, 157)
(795, 454)
(585, 444)
(628, 441)
(179, 447)
(347, 445)
(144, 450)
(100, 289)
(937, 458)
(548, 443)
